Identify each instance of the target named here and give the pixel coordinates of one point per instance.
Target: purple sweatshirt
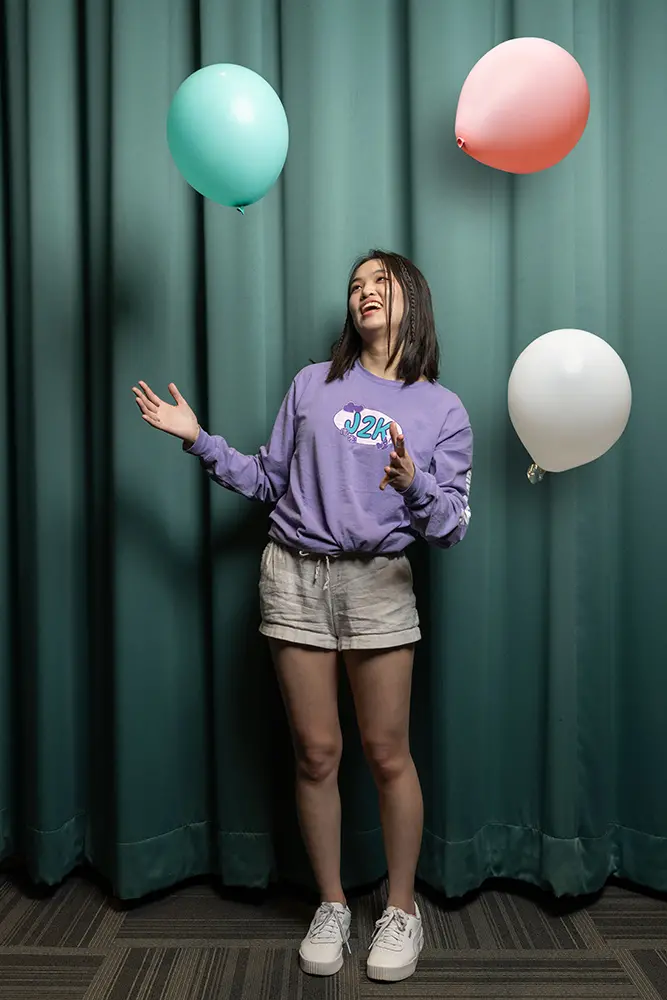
(326, 456)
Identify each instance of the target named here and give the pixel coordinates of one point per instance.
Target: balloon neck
(240, 209)
(461, 143)
(535, 474)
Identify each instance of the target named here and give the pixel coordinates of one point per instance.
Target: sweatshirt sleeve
(264, 476)
(438, 500)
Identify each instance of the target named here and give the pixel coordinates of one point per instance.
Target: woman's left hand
(401, 469)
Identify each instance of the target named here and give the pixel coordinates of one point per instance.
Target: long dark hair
(416, 344)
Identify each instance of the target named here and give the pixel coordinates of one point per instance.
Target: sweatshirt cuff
(417, 490)
(200, 446)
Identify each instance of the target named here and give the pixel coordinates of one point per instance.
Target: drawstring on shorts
(318, 561)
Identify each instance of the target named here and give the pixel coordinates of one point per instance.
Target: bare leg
(308, 679)
(381, 682)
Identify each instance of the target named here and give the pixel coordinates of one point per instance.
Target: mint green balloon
(228, 135)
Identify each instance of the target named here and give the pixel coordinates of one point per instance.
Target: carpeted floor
(193, 944)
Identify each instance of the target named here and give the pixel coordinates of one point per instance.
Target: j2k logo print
(363, 426)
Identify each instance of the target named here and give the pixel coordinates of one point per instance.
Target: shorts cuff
(298, 636)
(383, 640)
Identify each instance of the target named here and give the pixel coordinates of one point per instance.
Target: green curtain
(140, 725)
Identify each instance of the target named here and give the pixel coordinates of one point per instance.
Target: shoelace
(327, 925)
(389, 930)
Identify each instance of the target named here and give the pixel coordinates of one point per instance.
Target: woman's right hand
(179, 419)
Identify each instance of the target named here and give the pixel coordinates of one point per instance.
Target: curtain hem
(567, 867)
(576, 866)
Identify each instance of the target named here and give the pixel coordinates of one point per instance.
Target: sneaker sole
(382, 975)
(321, 968)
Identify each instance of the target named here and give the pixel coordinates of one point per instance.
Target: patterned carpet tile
(71, 918)
(630, 920)
(233, 974)
(264, 973)
(199, 913)
(503, 921)
(494, 976)
(653, 965)
(44, 976)
(163, 973)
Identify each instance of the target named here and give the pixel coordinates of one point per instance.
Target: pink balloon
(523, 107)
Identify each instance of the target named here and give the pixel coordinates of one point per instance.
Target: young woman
(335, 578)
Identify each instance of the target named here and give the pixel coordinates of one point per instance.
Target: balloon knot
(240, 209)
(461, 143)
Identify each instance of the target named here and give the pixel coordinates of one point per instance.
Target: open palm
(175, 418)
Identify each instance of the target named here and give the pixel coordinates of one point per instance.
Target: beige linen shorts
(337, 602)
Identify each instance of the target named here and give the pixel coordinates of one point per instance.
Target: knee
(319, 759)
(387, 758)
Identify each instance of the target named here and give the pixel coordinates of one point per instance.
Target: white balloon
(569, 399)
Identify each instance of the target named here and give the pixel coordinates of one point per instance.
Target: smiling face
(385, 283)
(374, 293)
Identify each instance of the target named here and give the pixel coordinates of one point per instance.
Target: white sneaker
(396, 945)
(321, 951)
